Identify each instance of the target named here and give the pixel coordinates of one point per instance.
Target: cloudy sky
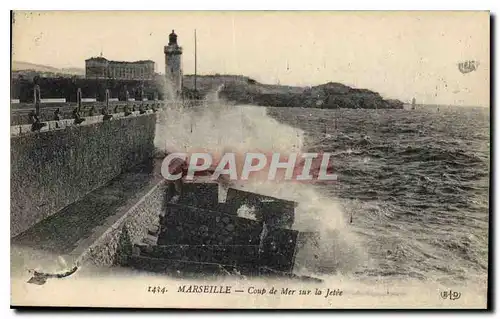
(399, 54)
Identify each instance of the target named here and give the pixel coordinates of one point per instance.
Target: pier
(86, 186)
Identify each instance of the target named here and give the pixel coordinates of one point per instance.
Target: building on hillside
(101, 68)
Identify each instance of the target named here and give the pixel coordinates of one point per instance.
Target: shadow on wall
(53, 169)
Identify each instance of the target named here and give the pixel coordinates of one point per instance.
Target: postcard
(250, 160)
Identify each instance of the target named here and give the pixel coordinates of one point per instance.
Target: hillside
(241, 89)
(31, 69)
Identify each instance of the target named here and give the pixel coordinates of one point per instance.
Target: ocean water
(416, 184)
(413, 183)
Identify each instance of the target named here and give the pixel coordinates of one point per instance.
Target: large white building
(101, 68)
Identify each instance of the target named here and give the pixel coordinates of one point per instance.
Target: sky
(398, 54)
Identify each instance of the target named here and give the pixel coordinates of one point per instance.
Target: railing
(117, 110)
(25, 129)
(17, 106)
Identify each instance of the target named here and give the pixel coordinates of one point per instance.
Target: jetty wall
(52, 169)
(114, 245)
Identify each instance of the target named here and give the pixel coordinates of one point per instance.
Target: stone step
(150, 240)
(154, 230)
(202, 195)
(187, 225)
(177, 268)
(182, 224)
(231, 255)
(274, 211)
(187, 269)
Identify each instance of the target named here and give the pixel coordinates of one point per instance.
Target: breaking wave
(406, 194)
(216, 126)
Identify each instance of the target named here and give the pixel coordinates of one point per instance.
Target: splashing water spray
(217, 127)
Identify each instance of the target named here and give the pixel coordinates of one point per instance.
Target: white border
(256, 5)
(189, 5)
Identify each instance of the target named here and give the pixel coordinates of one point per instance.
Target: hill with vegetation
(233, 88)
(244, 90)
(31, 70)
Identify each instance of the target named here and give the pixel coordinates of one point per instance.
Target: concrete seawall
(52, 169)
(114, 245)
(19, 112)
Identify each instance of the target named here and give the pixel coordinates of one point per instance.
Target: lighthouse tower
(173, 64)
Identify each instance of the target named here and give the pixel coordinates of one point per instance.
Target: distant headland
(244, 90)
(232, 88)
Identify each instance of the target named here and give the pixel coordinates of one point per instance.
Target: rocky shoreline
(244, 90)
(233, 88)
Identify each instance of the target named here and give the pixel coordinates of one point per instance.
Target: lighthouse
(173, 64)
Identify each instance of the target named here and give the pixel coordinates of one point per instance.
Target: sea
(416, 183)
(406, 220)
(412, 195)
